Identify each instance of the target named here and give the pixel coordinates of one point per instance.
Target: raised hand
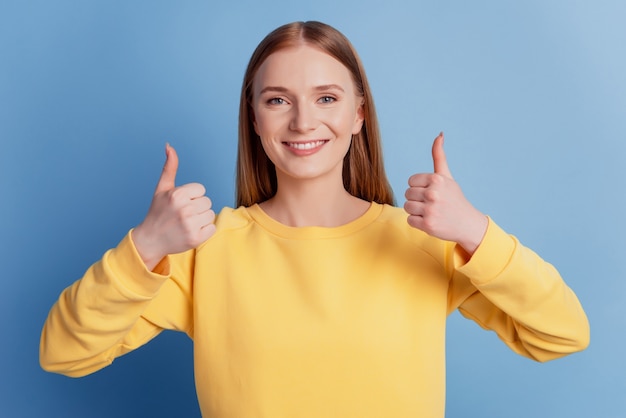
(179, 218)
(437, 206)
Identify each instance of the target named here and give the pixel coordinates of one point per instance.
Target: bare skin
(179, 218)
(436, 205)
(305, 113)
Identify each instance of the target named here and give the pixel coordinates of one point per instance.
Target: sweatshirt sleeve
(507, 288)
(117, 306)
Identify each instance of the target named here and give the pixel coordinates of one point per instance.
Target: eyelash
(275, 101)
(327, 99)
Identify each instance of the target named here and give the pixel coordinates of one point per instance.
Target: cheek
(346, 123)
(258, 122)
(270, 149)
(266, 125)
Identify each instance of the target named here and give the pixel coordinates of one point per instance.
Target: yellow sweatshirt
(315, 322)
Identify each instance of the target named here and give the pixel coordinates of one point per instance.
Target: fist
(436, 205)
(179, 219)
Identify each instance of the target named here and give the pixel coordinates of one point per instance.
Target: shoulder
(227, 221)
(393, 221)
(232, 218)
(392, 215)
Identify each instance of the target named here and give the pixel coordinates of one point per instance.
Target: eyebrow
(323, 87)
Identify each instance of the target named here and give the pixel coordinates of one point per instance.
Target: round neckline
(313, 232)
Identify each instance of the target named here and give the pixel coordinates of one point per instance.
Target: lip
(303, 148)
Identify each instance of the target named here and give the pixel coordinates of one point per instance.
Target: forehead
(301, 66)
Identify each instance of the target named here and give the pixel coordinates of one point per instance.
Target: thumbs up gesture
(179, 218)
(437, 206)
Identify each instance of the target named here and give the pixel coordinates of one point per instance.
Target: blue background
(531, 96)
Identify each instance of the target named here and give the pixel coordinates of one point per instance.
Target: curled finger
(414, 208)
(415, 194)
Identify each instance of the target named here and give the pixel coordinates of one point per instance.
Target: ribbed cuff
(491, 257)
(130, 271)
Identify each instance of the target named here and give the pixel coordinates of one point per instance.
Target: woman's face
(305, 112)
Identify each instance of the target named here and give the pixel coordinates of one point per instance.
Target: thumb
(439, 157)
(168, 175)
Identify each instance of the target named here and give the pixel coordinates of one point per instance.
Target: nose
(303, 118)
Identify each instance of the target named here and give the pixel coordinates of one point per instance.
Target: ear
(359, 119)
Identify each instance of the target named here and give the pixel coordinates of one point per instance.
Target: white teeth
(305, 145)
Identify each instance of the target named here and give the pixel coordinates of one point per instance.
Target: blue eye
(327, 99)
(275, 101)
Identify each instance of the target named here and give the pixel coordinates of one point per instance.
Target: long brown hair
(363, 170)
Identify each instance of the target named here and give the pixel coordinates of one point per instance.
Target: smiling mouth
(305, 145)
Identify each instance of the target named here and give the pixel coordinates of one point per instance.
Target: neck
(301, 203)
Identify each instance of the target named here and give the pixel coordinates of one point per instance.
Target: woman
(315, 297)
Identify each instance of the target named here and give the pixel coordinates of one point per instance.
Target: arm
(100, 317)
(129, 296)
(495, 280)
(508, 288)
